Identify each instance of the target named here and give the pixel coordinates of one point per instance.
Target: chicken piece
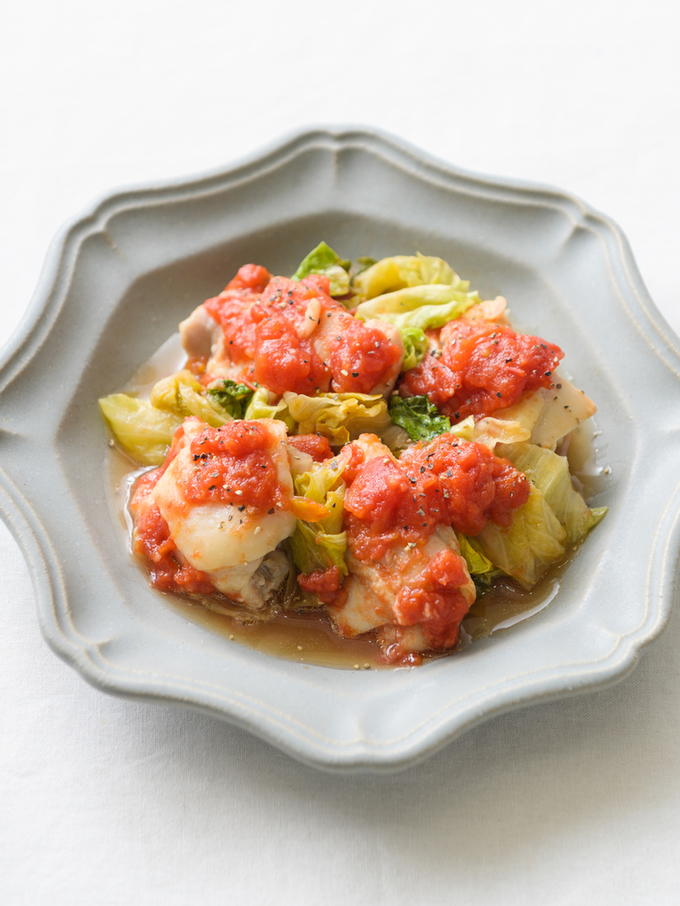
(290, 335)
(233, 543)
(409, 583)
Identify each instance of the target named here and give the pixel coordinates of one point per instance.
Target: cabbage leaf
(534, 540)
(418, 416)
(550, 473)
(143, 432)
(322, 544)
(401, 271)
(323, 260)
(231, 397)
(182, 394)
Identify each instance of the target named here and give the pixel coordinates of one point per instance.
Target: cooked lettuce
(231, 397)
(143, 432)
(182, 394)
(415, 347)
(418, 416)
(480, 567)
(418, 307)
(534, 540)
(322, 544)
(415, 294)
(261, 405)
(323, 260)
(340, 417)
(550, 473)
(401, 271)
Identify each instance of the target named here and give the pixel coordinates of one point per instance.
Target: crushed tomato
(481, 368)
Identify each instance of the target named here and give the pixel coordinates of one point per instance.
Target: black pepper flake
(355, 374)
(547, 373)
(422, 469)
(270, 512)
(241, 508)
(499, 395)
(212, 487)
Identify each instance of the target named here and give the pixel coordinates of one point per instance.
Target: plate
(121, 276)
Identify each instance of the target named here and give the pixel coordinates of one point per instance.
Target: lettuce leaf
(550, 473)
(418, 416)
(419, 307)
(182, 394)
(534, 540)
(400, 271)
(415, 347)
(340, 417)
(231, 397)
(143, 432)
(322, 544)
(480, 567)
(323, 260)
(261, 406)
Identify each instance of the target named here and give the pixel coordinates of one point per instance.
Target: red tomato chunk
(482, 367)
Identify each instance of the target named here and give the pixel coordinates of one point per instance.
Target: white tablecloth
(109, 801)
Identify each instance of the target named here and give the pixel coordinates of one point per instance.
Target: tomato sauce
(232, 464)
(361, 358)
(436, 603)
(481, 368)
(292, 335)
(315, 445)
(152, 540)
(323, 582)
(448, 481)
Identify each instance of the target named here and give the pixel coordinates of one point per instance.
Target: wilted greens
(419, 417)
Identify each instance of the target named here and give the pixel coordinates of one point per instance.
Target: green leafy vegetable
(182, 394)
(550, 473)
(415, 347)
(340, 417)
(418, 416)
(143, 432)
(322, 544)
(261, 406)
(231, 397)
(421, 307)
(534, 540)
(323, 260)
(401, 271)
(480, 567)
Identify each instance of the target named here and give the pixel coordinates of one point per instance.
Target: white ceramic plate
(119, 279)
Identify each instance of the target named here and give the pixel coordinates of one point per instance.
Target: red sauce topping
(437, 604)
(232, 464)
(291, 335)
(315, 445)
(361, 358)
(324, 583)
(448, 481)
(231, 309)
(483, 367)
(152, 540)
(465, 483)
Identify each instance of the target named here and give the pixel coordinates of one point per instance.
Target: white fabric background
(108, 801)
